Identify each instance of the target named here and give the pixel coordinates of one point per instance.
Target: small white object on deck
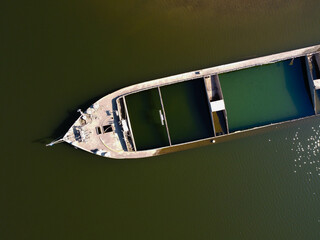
(217, 106)
(95, 106)
(316, 84)
(125, 125)
(161, 117)
(98, 152)
(82, 135)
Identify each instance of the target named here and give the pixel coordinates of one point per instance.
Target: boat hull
(104, 128)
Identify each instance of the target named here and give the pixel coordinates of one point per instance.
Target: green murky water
(186, 112)
(143, 110)
(59, 56)
(267, 94)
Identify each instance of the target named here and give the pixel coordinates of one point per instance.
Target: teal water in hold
(59, 56)
(266, 94)
(187, 111)
(143, 110)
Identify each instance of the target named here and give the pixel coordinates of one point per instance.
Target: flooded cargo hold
(203, 106)
(266, 94)
(170, 114)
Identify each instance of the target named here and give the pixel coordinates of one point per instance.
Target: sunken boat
(160, 116)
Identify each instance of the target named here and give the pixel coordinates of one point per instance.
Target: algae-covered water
(266, 94)
(185, 113)
(59, 56)
(143, 110)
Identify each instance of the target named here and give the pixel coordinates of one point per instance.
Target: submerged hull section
(181, 111)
